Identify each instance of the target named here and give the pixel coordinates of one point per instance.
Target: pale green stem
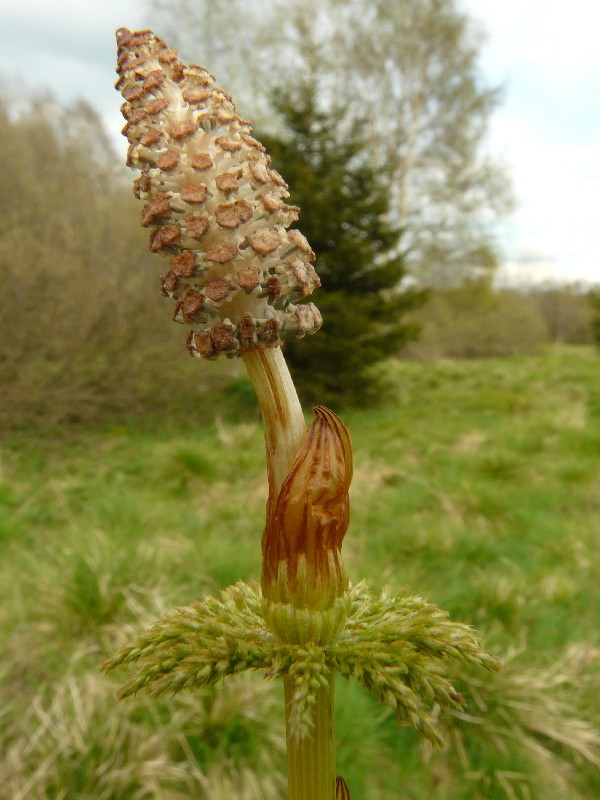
(311, 761)
(285, 428)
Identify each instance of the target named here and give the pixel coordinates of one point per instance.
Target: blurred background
(444, 154)
(452, 144)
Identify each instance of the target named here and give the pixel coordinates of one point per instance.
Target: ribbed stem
(285, 428)
(311, 761)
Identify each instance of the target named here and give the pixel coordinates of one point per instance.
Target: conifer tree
(414, 68)
(345, 216)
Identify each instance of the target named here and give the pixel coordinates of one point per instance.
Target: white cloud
(558, 192)
(67, 46)
(559, 38)
(548, 128)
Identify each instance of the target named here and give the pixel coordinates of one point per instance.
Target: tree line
(85, 335)
(83, 331)
(379, 129)
(407, 71)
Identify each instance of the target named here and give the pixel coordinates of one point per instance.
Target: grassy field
(477, 485)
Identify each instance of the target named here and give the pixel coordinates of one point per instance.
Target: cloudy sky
(548, 129)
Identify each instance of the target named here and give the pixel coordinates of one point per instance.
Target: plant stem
(311, 761)
(285, 428)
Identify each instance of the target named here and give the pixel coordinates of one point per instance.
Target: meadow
(477, 485)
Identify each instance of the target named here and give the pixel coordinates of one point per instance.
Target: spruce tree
(345, 216)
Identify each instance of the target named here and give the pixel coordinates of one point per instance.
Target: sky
(547, 129)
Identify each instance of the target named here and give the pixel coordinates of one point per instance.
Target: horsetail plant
(237, 272)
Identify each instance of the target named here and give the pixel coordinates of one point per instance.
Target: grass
(477, 485)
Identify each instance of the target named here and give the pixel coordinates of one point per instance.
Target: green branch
(399, 648)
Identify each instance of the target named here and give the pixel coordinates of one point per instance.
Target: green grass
(477, 485)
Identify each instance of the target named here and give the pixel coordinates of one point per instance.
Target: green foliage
(566, 311)
(475, 321)
(66, 743)
(528, 710)
(395, 646)
(477, 486)
(345, 216)
(594, 301)
(83, 329)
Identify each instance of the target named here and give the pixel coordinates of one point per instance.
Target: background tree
(234, 40)
(477, 321)
(82, 323)
(594, 300)
(345, 216)
(414, 64)
(409, 70)
(566, 310)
